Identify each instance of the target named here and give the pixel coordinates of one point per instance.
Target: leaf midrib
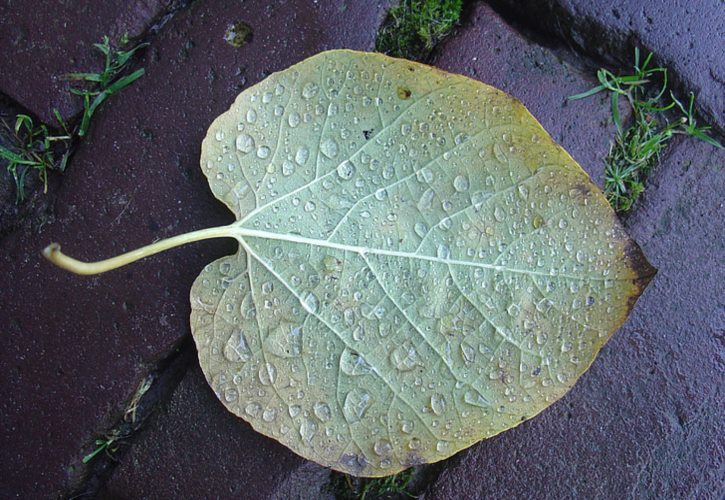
(241, 232)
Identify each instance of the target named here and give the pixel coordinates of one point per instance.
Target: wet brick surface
(78, 346)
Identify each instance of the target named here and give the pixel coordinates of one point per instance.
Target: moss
(415, 27)
(346, 487)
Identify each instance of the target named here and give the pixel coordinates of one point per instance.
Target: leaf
(420, 266)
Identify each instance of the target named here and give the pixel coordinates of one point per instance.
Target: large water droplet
(329, 147)
(231, 394)
(499, 213)
(407, 426)
(288, 168)
(346, 170)
(310, 90)
(253, 409)
(310, 302)
(236, 349)
(293, 119)
(322, 411)
(426, 200)
(475, 398)
(310, 206)
(356, 404)
(267, 374)
(269, 415)
(263, 152)
(460, 183)
(421, 229)
(443, 251)
(302, 155)
(245, 143)
(404, 357)
(498, 152)
(353, 363)
(308, 429)
(438, 403)
(382, 447)
(251, 115)
(442, 446)
(285, 341)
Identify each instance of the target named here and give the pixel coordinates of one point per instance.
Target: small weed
(104, 84)
(346, 487)
(108, 443)
(636, 148)
(414, 27)
(34, 147)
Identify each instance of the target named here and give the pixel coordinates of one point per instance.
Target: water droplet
(425, 174)
(310, 302)
(358, 333)
(407, 426)
(468, 353)
(421, 229)
(267, 374)
(460, 183)
(346, 170)
(382, 447)
(269, 415)
(236, 349)
(381, 194)
(285, 341)
(245, 143)
(581, 257)
(308, 429)
(442, 446)
(499, 213)
(288, 168)
(329, 148)
(475, 398)
(251, 115)
(293, 119)
(310, 206)
(357, 402)
(231, 394)
(219, 135)
(523, 191)
(566, 347)
(302, 155)
(322, 411)
(426, 200)
(353, 363)
(253, 409)
(294, 410)
(443, 252)
(438, 403)
(263, 152)
(310, 90)
(498, 152)
(404, 357)
(414, 444)
(513, 309)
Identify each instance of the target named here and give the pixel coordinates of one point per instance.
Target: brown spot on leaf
(404, 93)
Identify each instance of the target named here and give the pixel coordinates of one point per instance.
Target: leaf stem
(52, 252)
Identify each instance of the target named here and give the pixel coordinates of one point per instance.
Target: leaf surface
(420, 265)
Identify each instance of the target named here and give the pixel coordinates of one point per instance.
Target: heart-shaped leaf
(420, 265)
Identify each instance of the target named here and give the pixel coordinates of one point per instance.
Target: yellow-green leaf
(420, 265)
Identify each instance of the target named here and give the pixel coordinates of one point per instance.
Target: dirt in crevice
(161, 382)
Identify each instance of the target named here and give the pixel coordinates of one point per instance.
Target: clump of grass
(34, 148)
(105, 84)
(414, 27)
(346, 487)
(636, 148)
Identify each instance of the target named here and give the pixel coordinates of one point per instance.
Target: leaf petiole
(52, 252)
